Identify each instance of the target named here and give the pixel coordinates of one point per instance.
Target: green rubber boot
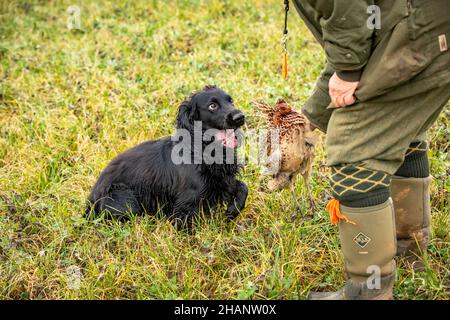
(368, 245)
(411, 197)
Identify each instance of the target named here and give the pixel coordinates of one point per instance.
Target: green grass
(72, 100)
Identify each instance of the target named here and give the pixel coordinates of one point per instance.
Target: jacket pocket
(392, 63)
(426, 18)
(404, 55)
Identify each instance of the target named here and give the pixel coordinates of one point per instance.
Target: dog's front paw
(231, 214)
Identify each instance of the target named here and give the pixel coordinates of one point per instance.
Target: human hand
(341, 91)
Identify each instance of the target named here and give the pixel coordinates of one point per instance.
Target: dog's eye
(212, 107)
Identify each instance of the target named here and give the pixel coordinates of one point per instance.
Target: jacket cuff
(350, 76)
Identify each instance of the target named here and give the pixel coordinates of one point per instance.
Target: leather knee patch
(416, 163)
(355, 186)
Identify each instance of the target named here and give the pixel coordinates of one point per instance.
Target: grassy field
(70, 100)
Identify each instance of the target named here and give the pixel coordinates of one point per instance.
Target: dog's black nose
(238, 117)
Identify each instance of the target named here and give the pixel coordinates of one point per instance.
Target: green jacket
(409, 48)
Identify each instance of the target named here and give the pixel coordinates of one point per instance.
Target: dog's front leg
(237, 200)
(184, 211)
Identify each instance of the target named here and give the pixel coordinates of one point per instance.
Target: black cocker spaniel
(192, 171)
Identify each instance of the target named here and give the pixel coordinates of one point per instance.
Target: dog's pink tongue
(228, 138)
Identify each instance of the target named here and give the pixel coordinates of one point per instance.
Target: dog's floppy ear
(186, 115)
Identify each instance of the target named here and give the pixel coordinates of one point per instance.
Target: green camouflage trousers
(364, 132)
(376, 133)
(399, 97)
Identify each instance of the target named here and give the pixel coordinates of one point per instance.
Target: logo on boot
(361, 240)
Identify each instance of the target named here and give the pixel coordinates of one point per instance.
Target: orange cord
(285, 67)
(335, 213)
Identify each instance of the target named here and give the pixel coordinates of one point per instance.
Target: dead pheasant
(290, 147)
